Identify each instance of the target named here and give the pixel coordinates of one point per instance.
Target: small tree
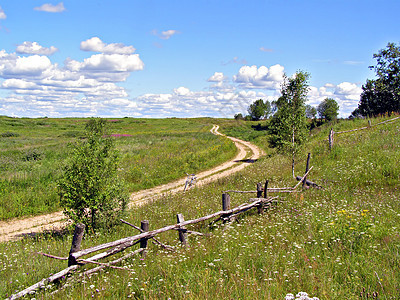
(259, 109)
(288, 126)
(328, 109)
(89, 189)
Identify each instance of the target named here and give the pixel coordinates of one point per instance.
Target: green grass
(341, 242)
(153, 151)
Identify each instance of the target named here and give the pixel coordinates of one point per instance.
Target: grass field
(341, 242)
(153, 152)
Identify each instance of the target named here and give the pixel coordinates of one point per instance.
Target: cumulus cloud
(35, 48)
(95, 44)
(47, 7)
(260, 78)
(346, 94)
(217, 77)
(2, 14)
(79, 88)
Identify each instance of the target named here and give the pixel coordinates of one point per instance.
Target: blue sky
(183, 58)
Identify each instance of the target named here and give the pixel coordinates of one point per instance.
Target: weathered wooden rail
(332, 133)
(75, 258)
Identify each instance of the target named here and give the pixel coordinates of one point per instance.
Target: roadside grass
(341, 242)
(153, 152)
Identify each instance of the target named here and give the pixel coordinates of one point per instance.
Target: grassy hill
(341, 242)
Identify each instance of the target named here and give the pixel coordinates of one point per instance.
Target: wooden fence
(332, 133)
(227, 214)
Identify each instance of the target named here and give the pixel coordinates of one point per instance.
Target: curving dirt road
(247, 153)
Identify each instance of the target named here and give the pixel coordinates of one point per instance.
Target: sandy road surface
(247, 154)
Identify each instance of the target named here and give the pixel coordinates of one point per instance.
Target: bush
(89, 189)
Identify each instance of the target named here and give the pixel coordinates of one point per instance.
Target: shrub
(89, 189)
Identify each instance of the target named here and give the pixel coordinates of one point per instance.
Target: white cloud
(349, 90)
(217, 77)
(182, 91)
(260, 78)
(263, 49)
(20, 67)
(2, 14)
(51, 8)
(346, 94)
(95, 44)
(165, 35)
(35, 48)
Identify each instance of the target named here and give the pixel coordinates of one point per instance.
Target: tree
(382, 95)
(288, 126)
(259, 109)
(311, 112)
(328, 109)
(89, 189)
(238, 116)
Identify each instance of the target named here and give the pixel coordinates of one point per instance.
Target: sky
(187, 58)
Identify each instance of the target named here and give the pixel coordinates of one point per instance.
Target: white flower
(289, 297)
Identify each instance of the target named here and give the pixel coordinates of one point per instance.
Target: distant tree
(382, 95)
(311, 112)
(89, 189)
(328, 109)
(238, 116)
(288, 126)
(259, 109)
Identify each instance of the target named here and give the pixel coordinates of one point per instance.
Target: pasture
(341, 242)
(152, 151)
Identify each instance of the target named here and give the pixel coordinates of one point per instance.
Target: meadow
(153, 152)
(341, 242)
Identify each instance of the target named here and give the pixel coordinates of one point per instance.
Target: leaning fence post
(182, 230)
(76, 243)
(307, 167)
(145, 226)
(331, 133)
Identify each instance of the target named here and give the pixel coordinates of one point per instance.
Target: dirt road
(247, 154)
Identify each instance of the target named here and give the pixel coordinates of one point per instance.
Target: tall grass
(341, 242)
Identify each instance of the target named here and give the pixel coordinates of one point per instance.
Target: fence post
(307, 167)
(331, 133)
(76, 243)
(182, 230)
(260, 207)
(226, 202)
(145, 226)
(369, 123)
(266, 189)
(259, 190)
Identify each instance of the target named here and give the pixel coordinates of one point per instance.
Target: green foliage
(288, 126)
(328, 109)
(259, 110)
(311, 112)
(382, 95)
(90, 190)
